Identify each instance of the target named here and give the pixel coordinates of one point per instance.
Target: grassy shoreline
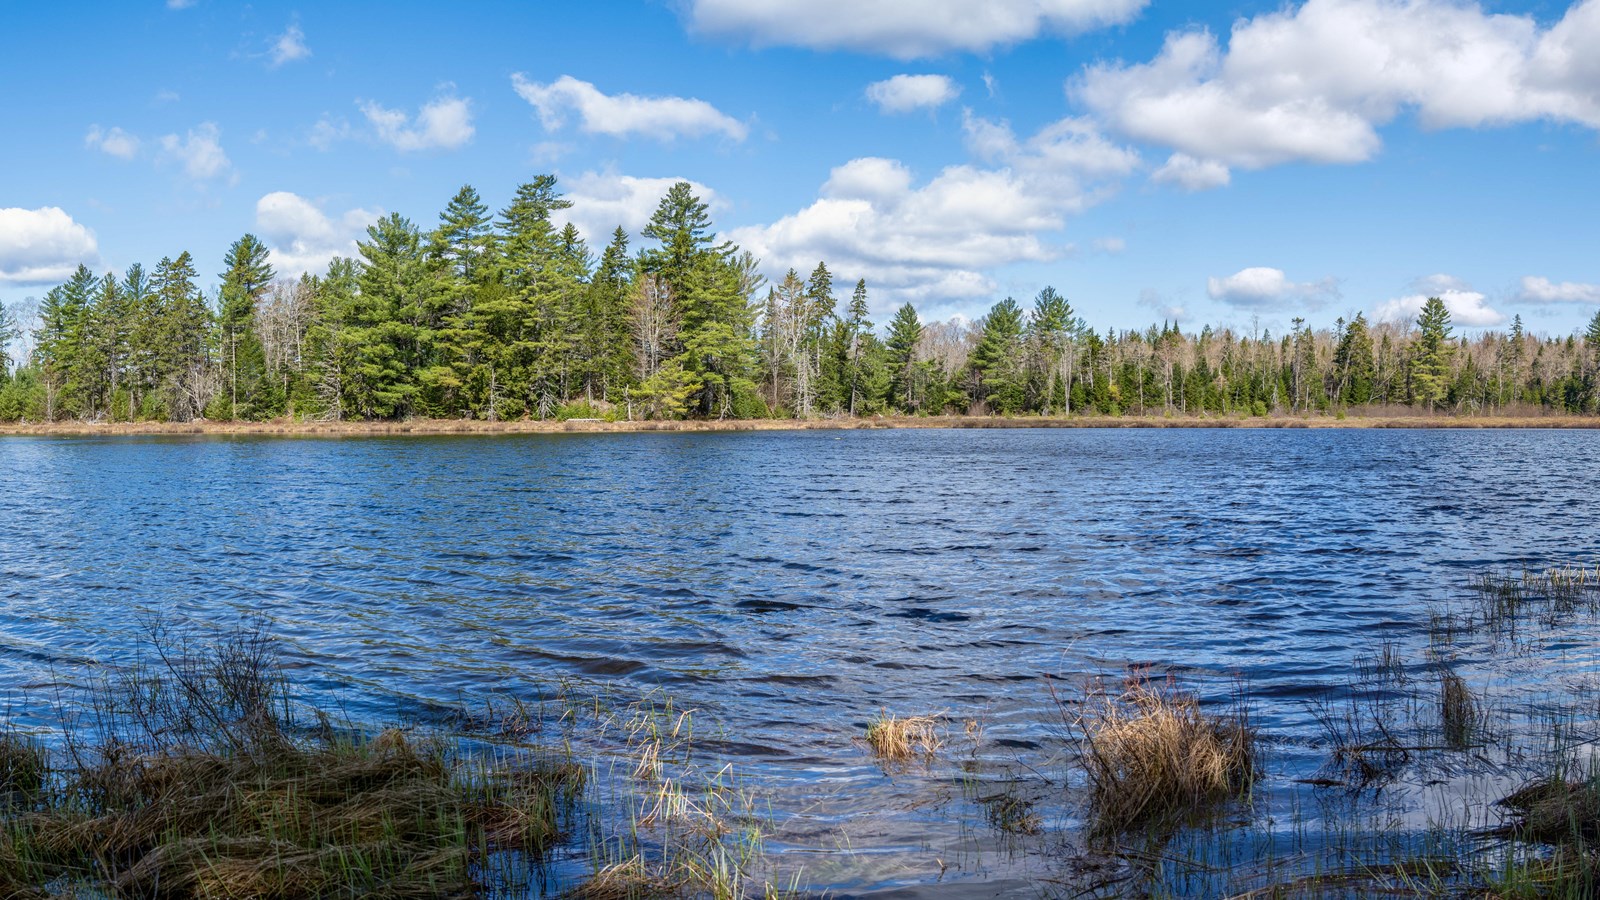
(478, 426)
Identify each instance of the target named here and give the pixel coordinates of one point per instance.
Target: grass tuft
(897, 738)
(1152, 751)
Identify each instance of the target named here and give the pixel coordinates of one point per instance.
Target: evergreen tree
(996, 378)
(246, 278)
(1431, 356)
(606, 321)
(180, 331)
(858, 346)
(1053, 329)
(905, 333)
(817, 326)
(1352, 361)
(702, 278)
(388, 326)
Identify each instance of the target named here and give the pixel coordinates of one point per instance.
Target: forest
(513, 316)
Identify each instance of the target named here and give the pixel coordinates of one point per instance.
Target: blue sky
(1216, 163)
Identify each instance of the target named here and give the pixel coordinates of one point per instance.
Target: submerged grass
(194, 778)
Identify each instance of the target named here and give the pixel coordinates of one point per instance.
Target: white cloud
(1435, 285)
(622, 115)
(1192, 174)
(165, 96)
(442, 124)
(1467, 307)
(114, 141)
(1314, 83)
(1538, 289)
(289, 47)
(1263, 287)
(1109, 245)
(901, 29)
(39, 246)
(938, 242)
(180, 4)
(1151, 298)
(601, 201)
(328, 131)
(199, 151)
(904, 93)
(302, 238)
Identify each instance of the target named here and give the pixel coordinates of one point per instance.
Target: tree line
(508, 316)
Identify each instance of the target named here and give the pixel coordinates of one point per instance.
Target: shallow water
(788, 585)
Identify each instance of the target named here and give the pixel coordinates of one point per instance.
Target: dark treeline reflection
(511, 316)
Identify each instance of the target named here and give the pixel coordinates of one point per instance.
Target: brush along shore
(583, 426)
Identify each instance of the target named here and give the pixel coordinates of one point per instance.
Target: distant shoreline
(478, 426)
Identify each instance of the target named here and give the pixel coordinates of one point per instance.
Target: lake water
(787, 585)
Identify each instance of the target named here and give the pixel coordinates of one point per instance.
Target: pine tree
(329, 346)
(817, 326)
(245, 280)
(388, 329)
(858, 346)
(180, 331)
(606, 321)
(705, 283)
(1430, 367)
(995, 377)
(1352, 361)
(905, 333)
(528, 320)
(1054, 331)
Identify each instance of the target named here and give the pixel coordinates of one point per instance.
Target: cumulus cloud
(1192, 174)
(937, 241)
(442, 124)
(900, 29)
(1109, 245)
(1315, 82)
(289, 47)
(624, 115)
(1467, 307)
(40, 246)
(1263, 287)
(601, 201)
(905, 93)
(199, 152)
(302, 238)
(1538, 289)
(113, 141)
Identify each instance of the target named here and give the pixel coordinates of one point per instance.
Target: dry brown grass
(630, 879)
(897, 739)
(1388, 418)
(1151, 751)
(1555, 811)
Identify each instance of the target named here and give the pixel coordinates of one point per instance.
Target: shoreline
(483, 427)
